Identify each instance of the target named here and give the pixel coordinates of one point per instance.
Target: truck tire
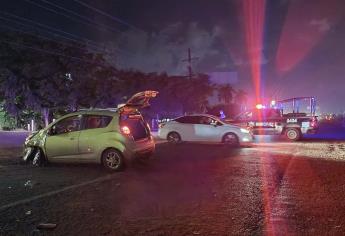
(292, 134)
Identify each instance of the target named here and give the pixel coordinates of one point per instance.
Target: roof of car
(109, 112)
(199, 114)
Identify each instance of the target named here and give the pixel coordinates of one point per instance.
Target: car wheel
(292, 134)
(112, 160)
(38, 158)
(231, 139)
(174, 137)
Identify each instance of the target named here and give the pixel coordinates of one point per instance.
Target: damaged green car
(111, 137)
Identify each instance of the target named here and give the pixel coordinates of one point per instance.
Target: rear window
(137, 127)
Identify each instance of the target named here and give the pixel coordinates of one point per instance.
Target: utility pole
(189, 60)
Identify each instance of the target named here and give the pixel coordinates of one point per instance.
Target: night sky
(302, 53)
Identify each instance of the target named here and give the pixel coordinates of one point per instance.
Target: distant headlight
(245, 131)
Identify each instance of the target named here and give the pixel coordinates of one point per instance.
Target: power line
(51, 28)
(39, 29)
(108, 15)
(39, 36)
(95, 48)
(49, 32)
(81, 16)
(88, 41)
(89, 22)
(49, 52)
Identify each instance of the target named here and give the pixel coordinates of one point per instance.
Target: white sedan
(203, 128)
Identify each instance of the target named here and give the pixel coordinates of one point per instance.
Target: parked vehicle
(112, 137)
(287, 117)
(203, 128)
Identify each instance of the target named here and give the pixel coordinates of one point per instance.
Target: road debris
(29, 184)
(46, 226)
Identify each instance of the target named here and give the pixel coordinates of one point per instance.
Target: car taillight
(125, 130)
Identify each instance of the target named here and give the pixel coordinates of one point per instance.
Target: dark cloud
(164, 51)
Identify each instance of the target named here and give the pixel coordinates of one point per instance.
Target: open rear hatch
(137, 101)
(131, 121)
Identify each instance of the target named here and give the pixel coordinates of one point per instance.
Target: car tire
(292, 134)
(174, 137)
(231, 139)
(38, 158)
(112, 160)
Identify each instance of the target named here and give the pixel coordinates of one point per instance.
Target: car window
(188, 119)
(181, 119)
(205, 120)
(69, 124)
(96, 121)
(193, 119)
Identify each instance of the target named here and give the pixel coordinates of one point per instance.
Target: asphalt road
(270, 188)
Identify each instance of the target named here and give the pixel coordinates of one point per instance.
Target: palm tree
(241, 98)
(225, 93)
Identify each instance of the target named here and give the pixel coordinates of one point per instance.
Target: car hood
(36, 139)
(236, 126)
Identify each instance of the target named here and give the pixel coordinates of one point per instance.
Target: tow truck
(291, 118)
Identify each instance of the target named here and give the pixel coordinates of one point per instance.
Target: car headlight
(245, 131)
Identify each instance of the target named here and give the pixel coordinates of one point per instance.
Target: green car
(111, 137)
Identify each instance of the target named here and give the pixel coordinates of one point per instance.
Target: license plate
(264, 124)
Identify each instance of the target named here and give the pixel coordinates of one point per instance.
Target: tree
(241, 99)
(67, 77)
(225, 93)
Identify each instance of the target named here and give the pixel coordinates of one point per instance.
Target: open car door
(138, 100)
